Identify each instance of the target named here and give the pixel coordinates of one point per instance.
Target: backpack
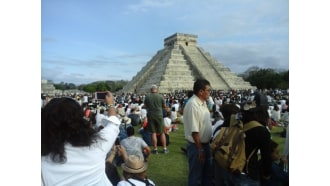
(228, 147)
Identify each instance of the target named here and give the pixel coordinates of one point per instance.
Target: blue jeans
(221, 176)
(244, 180)
(199, 174)
(224, 178)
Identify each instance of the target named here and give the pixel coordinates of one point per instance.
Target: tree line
(261, 78)
(112, 86)
(268, 78)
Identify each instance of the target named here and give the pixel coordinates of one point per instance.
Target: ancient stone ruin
(179, 64)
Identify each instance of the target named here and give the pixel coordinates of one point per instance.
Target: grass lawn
(172, 168)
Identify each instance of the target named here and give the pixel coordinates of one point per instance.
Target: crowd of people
(84, 139)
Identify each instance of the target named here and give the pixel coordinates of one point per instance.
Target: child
(167, 123)
(279, 176)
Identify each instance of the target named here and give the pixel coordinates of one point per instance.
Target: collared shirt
(197, 118)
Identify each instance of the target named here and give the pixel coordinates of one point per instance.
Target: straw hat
(126, 120)
(134, 164)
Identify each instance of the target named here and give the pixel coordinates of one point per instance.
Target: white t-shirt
(84, 165)
(143, 113)
(167, 122)
(174, 116)
(276, 115)
(176, 106)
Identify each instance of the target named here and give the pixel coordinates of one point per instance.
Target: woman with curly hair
(72, 152)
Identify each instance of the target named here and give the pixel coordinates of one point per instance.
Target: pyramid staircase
(179, 64)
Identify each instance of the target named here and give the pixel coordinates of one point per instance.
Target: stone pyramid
(179, 64)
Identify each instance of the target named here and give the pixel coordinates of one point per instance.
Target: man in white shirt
(198, 132)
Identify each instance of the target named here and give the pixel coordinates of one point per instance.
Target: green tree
(268, 78)
(102, 86)
(89, 88)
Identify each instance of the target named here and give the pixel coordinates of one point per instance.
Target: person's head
(275, 152)
(256, 109)
(228, 109)
(130, 131)
(276, 108)
(62, 121)
(154, 88)
(134, 166)
(202, 89)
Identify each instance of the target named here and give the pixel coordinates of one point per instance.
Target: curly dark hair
(62, 121)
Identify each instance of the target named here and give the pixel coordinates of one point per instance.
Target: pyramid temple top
(181, 39)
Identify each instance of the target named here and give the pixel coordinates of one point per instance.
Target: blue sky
(87, 41)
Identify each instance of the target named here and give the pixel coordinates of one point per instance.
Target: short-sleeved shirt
(197, 118)
(154, 103)
(134, 145)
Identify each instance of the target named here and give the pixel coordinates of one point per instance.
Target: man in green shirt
(155, 103)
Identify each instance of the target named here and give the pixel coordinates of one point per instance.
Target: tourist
(198, 132)
(135, 172)
(279, 176)
(257, 140)
(143, 112)
(168, 122)
(73, 153)
(154, 104)
(135, 117)
(135, 145)
(110, 167)
(221, 175)
(276, 114)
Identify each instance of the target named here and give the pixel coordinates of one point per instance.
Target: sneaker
(154, 151)
(165, 151)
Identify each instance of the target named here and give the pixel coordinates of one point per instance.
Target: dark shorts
(155, 124)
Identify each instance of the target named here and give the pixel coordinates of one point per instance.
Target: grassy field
(172, 168)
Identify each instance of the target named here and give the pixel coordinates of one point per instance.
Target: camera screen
(100, 95)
